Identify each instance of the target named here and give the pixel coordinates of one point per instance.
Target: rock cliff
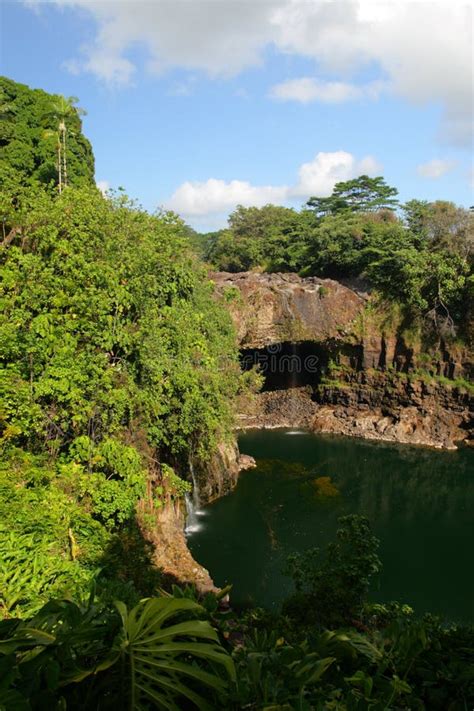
(218, 475)
(374, 378)
(277, 308)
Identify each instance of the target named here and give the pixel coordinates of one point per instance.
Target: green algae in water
(420, 503)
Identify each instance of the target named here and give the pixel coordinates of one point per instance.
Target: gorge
(331, 366)
(145, 367)
(334, 362)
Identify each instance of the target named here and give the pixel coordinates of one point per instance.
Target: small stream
(420, 503)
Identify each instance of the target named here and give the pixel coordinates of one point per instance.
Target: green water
(420, 503)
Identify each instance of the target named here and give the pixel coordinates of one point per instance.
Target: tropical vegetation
(173, 652)
(118, 370)
(419, 254)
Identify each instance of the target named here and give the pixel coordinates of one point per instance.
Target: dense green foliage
(172, 653)
(29, 138)
(115, 360)
(332, 591)
(117, 365)
(422, 260)
(269, 237)
(117, 369)
(148, 655)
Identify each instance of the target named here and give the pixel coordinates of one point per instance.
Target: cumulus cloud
(317, 177)
(306, 90)
(103, 186)
(422, 50)
(219, 38)
(435, 168)
(212, 196)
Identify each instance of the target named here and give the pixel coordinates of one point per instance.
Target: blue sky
(199, 105)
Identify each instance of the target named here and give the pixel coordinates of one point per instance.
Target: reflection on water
(420, 503)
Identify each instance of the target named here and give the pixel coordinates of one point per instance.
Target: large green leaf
(171, 658)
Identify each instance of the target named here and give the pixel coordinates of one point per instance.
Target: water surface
(420, 503)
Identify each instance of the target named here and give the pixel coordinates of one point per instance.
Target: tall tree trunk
(64, 156)
(60, 167)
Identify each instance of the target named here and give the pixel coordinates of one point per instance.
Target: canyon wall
(367, 379)
(375, 378)
(277, 308)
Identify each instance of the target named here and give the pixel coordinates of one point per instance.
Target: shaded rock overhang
(285, 308)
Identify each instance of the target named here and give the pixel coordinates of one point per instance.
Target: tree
(269, 237)
(25, 156)
(362, 194)
(332, 585)
(62, 110)
(415, 215)
(441, 225)
(6, 108)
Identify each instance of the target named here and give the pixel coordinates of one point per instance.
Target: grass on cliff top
(333, 381)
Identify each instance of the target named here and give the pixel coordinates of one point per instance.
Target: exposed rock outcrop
(274, 308)
(395, 408)
(218, 475)
(294, 407)
(381, 409)
(171, 553)
(215, 478)
(280, 308)
(374, 387)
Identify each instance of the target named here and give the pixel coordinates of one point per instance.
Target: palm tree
(62, 110)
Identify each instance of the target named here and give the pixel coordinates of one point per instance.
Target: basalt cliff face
(367, 378)
(276, 308)
(211, 479)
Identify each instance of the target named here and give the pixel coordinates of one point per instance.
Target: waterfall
(192, 505)
(196, 500)
(295, 366)
(191, 517)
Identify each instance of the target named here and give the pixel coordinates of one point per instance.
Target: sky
(200, 105)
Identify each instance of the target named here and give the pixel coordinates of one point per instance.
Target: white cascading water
(192, 505)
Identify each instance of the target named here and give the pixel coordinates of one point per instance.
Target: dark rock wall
(367, 381)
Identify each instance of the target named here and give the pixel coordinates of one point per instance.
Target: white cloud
(435, 168)
(319, 176)
(110, 67)
(307, 89)
(316, 177)
(202, 198)
(422, 49)
(103, 186)
(219, 38)
(183, 88)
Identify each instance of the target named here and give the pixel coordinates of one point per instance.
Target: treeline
(419, 254)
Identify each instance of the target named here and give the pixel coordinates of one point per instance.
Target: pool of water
(420, 503)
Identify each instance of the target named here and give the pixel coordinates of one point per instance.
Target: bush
(331, 586)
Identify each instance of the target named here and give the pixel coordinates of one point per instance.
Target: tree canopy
(362, 194)
(29, 121)
(422, 260)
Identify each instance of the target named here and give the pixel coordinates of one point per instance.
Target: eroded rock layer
(372, 379)
(277, 308)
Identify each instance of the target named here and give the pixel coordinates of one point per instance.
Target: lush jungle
(118, 366)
